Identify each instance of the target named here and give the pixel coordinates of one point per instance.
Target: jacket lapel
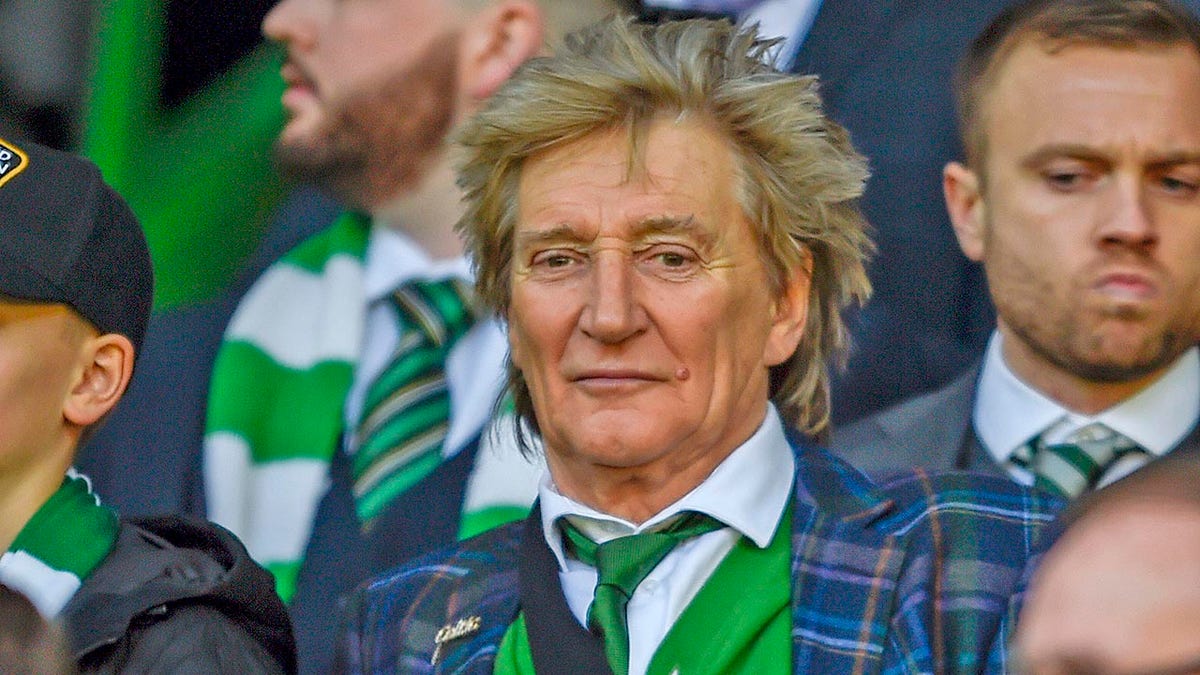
(844, 569)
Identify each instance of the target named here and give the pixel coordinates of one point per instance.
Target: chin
(296, 137)
(1124, 365)
(611, 446)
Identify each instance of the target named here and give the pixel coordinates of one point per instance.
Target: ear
(964, 202)
(107, 366)
(791, 313)
(495, 43)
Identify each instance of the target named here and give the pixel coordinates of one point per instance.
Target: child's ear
(106, 368)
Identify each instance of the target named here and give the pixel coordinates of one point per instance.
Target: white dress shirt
(748, 492)
(1008, 413)
(475, 368)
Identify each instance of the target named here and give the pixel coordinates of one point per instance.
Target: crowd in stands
(699, 336)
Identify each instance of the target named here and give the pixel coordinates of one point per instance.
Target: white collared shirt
(475, 372)
(748, 492)
(1008, 413)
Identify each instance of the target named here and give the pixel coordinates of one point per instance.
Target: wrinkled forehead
(676, 177)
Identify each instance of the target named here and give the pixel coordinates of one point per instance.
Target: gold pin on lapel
(450, 632)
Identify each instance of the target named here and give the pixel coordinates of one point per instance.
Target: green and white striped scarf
(58, 548)
(276, 405)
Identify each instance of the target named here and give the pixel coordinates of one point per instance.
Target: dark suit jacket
(921, 574)
(932, 431)
(339, 557)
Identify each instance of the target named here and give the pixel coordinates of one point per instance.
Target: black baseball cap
(67, 237)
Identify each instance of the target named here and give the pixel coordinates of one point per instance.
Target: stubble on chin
(1112, 347)
(377, 142)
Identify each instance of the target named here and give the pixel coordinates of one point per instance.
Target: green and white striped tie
(1078, 463)
(406, 412)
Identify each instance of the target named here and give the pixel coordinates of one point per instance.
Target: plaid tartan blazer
(921, 574)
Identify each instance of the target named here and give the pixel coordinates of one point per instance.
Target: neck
(428, 213)
(1070, 390)
(22, 495)
(635, 494)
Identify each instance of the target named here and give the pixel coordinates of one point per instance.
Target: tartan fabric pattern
(923, 573)
(406, 412)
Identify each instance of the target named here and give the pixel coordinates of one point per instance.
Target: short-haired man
(1081, 197)
(161, 594)
(349, 397)
(668, 226)
(1130, 608)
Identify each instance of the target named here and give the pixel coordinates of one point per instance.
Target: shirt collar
(1009, 412)
(748, 492)
(394, 258)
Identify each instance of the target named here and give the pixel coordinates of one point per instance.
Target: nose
(289, 22)
(613, 313)
(1129, 220)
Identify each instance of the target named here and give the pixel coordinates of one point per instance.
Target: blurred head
(669, 226)
(1081, 193)
(374, 87)
(28, 642)
(1119, 592)
(75, 297)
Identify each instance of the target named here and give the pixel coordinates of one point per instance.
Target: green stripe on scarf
(72, 532)
(311, 421)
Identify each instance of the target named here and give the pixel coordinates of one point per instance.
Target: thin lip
(1129, 277)
(295, 76)
(614, 375)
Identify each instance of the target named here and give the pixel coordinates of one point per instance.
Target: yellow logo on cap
(12, 161)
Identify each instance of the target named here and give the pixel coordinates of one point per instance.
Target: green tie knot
(621, 564)
(442, 310)
(1078, 463)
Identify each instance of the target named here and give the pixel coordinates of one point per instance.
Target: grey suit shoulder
(931, 431)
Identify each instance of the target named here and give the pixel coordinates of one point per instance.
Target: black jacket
(179, 595)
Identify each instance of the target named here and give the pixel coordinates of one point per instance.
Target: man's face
(1119, 593)
(371, 88)
(642, 317)
(1089, 222)
(39, 356)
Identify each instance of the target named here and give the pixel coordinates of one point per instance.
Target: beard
(1110, 344)
(376, 142)
(1083, 354)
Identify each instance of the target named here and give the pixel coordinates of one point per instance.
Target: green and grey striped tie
(406, 412)
(1076, 465)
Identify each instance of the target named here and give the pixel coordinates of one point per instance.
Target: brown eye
(1178, 186)
(672, 259)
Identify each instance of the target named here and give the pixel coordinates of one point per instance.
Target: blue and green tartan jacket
(919, 574)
